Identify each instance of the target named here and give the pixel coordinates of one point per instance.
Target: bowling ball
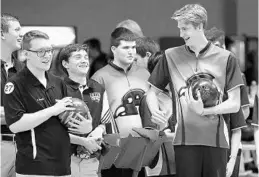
(80, 107)
(207, 88)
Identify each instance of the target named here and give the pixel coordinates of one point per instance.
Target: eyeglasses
(42, 53)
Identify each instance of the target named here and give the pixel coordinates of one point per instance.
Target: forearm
(226, 107)
(3, 122)
(76, 139)
(235, 143)
(152, 101)
(31, 120)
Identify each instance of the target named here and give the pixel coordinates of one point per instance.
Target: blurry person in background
(11, 39)
(146, 47)
(98, 58)
(132, 26)
(235, 121)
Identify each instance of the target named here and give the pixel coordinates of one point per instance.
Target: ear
(148, 54)
(113, 48)
(65, 64)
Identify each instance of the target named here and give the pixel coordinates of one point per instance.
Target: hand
(62, 105)
(195, 105)
(230, 167)
(81, 126)
(169, 135)
(92, 144)
(97, 132)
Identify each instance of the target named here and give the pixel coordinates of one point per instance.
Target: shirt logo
(40, 99)
(95, 96)
(9, 88)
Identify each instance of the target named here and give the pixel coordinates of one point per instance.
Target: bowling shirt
(5, 75)
(94, 95)
(125, 90)
(45, 149)
(255, 121)
(179, 64)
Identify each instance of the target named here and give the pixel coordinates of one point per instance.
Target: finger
(69, 109)
(80, 117)
(74, 125)
(89, 116)
(157, 121)
(199, 96)
(158, 118)
(70, 130)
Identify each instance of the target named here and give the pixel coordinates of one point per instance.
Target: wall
(97, 18)
(247, 17)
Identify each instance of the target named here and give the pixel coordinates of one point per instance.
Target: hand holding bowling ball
(80, 107)
(204, 84)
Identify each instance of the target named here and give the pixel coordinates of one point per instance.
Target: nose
(49, 53)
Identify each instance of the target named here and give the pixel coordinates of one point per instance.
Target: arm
(3, 122)
(256, 137)
(31, 120)
(235, 143)
(231, 105)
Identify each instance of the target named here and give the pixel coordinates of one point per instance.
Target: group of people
(139, 87)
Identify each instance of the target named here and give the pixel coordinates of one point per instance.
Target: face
(189, 33)
(142, 62)
(125, 53)
(40, 54)
(13, 37)
(78, 63)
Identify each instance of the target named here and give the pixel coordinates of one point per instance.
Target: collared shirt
(177, 66)
(94, 95)
(124, 90)
(45, 149)
(5, 75)
(255, 120)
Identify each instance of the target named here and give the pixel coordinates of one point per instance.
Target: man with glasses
(32, 101)
(11, 39)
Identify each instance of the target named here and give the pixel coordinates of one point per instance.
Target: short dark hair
(29, 36)
(215, 34)
(5, 19)
(146, 44)
(154, 59)
(93, 43)
(65, 53)
(122, 34)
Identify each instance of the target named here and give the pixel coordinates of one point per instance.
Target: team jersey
(124, 90)
(179, 64)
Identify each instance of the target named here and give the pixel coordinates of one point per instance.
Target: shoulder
(95, 85)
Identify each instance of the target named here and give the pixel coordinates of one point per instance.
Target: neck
(78, 79)
(200, 45)
(121, 65)
(6, 53)
(39, 74)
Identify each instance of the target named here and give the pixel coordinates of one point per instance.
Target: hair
(154, 59)
(66, 52)
(132, 26)
(122, 34)
(5, 19)
(214, 34)
(192, 13)
(146, 44)
(93, 43)
(29, 36)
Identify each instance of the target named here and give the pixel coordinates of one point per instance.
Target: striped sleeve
(106, 114)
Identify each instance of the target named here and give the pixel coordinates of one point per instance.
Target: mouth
(19, 40)
(46, 61)
(83, 66)
(186, 39)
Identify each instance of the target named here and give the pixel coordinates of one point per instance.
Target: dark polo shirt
(17, 66)
(44, 150)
